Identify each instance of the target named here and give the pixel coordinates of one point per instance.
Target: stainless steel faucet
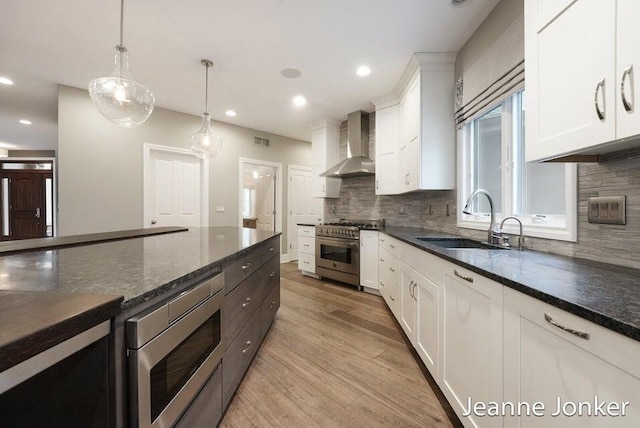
(520, 238)
(493, 234)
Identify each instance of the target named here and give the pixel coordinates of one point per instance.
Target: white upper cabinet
(627, 65)
(387, 131)
(325, 148)
(423, 157)
(577, 60)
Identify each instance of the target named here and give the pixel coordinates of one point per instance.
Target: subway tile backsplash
(616, 174)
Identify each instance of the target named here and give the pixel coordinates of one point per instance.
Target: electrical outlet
(403, 209)
(220, 209)
(607, 210)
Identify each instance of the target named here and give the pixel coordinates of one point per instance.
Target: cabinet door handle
(411, 289)
(272, 305)
(246, 266)
(580, 334)
(392, 269)
(600, 113)
(381, 259)
(628, 106)
(391, 297)
(272, 274)
(392, 246)
(466, 278)
(415, 285)
(324, 188)
(271, 248)
(377, 184)
(245, 350)
(382, 284)
(246, 303)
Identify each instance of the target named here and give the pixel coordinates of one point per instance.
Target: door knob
(153, 222)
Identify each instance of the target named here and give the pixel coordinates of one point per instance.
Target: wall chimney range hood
(358, 164)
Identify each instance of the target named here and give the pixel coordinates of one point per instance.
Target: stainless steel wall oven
(172, 352)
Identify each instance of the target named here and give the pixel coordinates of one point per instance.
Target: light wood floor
(333, 358)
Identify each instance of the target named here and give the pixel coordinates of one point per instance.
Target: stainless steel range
(338, 249)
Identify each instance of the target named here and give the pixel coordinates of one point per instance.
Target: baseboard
(285, 258)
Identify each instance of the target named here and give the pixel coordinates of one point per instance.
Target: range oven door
(341, 255)
(167, 372)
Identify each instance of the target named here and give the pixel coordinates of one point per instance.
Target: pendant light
(204, 142)
(119, 97)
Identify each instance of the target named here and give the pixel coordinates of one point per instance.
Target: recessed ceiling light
(363, 70)
(291, 73)
(230, 113)
(6, 81)
(299, 100)
(25, 121)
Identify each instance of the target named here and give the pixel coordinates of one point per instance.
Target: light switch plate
(607, 210)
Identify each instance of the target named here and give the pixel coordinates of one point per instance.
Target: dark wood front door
(27, 204)
(26, 199)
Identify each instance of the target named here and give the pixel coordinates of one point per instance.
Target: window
(541, 195)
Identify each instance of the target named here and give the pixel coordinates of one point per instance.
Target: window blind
(497, 74)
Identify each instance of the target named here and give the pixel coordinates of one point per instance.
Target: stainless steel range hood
(357, 163)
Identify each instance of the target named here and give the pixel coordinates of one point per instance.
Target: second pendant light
(204, 142)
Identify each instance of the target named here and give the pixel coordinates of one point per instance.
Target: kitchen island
(137, 275)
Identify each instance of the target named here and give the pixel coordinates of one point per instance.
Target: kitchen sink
(459, 243)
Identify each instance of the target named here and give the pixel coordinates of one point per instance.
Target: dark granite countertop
(605, 294)
(137, 268)
(50, 295)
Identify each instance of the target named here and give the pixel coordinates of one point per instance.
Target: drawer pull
(245, 304)
(392, 246)
(580, 334)
(272, 305)
(391, 297)
(392, 269)
(272, 274)
(305, 262)
(271, 248)
(381, 259)
(245, 350)
(382, 284)
(466, 278)
(246, 266)
(305, 245)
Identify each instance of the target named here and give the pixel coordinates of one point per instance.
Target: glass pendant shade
(204, 142)
(119, 97)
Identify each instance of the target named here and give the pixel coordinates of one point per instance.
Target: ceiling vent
(261, 142)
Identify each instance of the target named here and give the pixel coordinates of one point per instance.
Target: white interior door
(265, 200)
(173, 189)
(303, 207)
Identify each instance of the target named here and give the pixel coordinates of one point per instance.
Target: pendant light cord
(206, 89)
(121, 22)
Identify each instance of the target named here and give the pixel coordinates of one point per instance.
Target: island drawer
(238, 356)
(269, 308)
(240, 304)
(242, 268)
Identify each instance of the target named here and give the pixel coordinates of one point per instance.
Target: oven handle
(338, 242)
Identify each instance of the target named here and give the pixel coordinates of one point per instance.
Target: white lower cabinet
(471, 331)
(504, 352)
(307, 250)
(547, 360)
(407, 301)
(427, 332)
(369, 259)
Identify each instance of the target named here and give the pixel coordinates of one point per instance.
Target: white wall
(100, 164)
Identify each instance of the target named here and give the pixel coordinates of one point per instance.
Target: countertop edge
(588, 314)
(27, 346)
